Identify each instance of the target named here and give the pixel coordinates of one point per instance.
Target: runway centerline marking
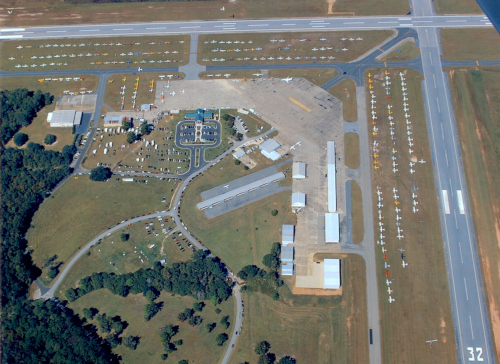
(460, 250)
(466, 294)
(442, 131)
(122, 29)
(471, 328)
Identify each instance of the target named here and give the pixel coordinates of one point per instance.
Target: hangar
(64, 118)
(298, 199)
(113, 121)
(331, 278)
(332, 184)
(299, 170)
(238, 154)
(287, 234)
(287, 254)
(332, 229)
(268, 149)
(287, 269)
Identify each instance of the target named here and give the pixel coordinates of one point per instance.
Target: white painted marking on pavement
(446, 203)
(460, 249)
(460, 202)
(442, 131)
(289, 24)
(56, 31)
(466, 293)
(195, 26)
(12, 30)
(156, 28)
(121, 29)
(258, 25)
(471, 328)
(354, 22)
(446, 156)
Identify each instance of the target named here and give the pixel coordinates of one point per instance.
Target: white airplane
(287, 80)
(421, 161)
(378, 187)
(408, 122)
(344, 38)
(227, 75)
(373, 102)
(359, 38)
(415, 203)
(390, 118)
(19, 47)
(394, 170)
(404, 89)
(394, 164)
(389, 290)
(391, 300)
(410, 151)
(404, 264)
(172, 93)
(403, 83)
(322, 39)
(380, 198)
(412, 164)
(161, 77)
(395, 196)
(378, 192)
(314, 49)
(380, 205)
(414, 195)
(380, 242)
(393, 158)
(139, 69)
(170, 76)
(410, 144)
(400, 230)
(273, 40)
(414, 209)
(384, 250)
(257, 74)
(389, 107)
(387, 265)
(394, 190)
(408, 132)
(381, 229)
(405, 98)
(394, 151)
(399, 236)
(407, 115)
(344, 49)
(226, 186)
(401, 74)
(18, 66)
(151, 90)
(382, 237)
(303, 40)
(183, 92)
(223, 9)
(405, 109)
(388, 282)
(398, 217)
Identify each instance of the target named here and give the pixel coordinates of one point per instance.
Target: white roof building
(238, 154)
(287, 254)
(332, 183)
(332, 229)
(269, 145)
(298, 199)
(299, 170)
(287, 269)
(287, 234)
(331, 271)
(64, 118)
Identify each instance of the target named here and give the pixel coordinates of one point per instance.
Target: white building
(331, 271)
(287, 234)
(332, 183)
(332, 229)
(287, 269)
(64, 118)
(268, 149)
(299, 170)
(298, 199)
(238, 154)
(287, 254)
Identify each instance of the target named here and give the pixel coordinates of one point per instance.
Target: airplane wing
(490, 8)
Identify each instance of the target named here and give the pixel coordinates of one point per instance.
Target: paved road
(472, 329)
(232, 26)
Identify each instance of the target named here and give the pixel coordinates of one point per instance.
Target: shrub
(20, 139)
(100, 174)
(49, 139)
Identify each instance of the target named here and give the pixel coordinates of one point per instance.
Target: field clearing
(198, 345)
(476, 98)
(345, 91)
(422, 308)
(406, 51)
(98, 53)
(141, 250)
(274, 48)
(81, 209)
(358, 229)
(471, 44)
(255, 125)
(319, 329)
(242, 236)
(39, 127)
(351, 150)
(54, 12)
(457, 7)
(137, 156)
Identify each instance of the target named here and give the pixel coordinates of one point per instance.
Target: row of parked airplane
(93, 44)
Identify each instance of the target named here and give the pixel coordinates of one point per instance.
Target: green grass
(471, 44)
(39, 128)
(242, 236)
(100, 54)
(345, 91)
(198, 345)
(358, 229)
(319, 329)
(476, 100)
(252, 41)
(457, 7)
(317, 77)
(82, 209)
(142, 250)
(422, 309)
(351, 150)
(225, 142)
(406, 51)
(255, 125)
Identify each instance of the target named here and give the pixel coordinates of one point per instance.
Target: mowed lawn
(474, 44)
(312, 329)
(198, 346)
(457, 7)
(358, 229)
(404, 52)
(476, 100)
(351, 150)
(82, 209)
(317, 77)
(422, 308)
(242, 236)
(345, 91)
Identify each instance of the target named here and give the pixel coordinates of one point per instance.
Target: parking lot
(207, 134)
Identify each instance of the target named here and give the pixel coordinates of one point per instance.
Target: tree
(104, 323)
(124, 237)
(248, 272)
(49, 139)
(276, 296)
(274, 212)
(182, 317)
(20, 139)
(224, 322)
(268, 358)
(237, 162)
(217, 310)
(198, 306)
(53, 271)
(100, 174)
(287, 360)
(262, 348)
(246, 168)
(178, 342)
(152, 309)
(184, 362)
(221, 339)
(271, 261)
(117, 326)
(195, 320)
(210, 327)
(131, 137)
(113, 340)
(151, 295)
(89, 313)
(126, 124)
(145, 129)
(188, 312)
(131, 342)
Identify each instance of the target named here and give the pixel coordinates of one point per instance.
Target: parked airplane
(389, 290)
(421, 161)
(139, 69)
(172, 93)
(394, 170)
(183, 92)
(399, 236)
(414, 209)
(402, 256)
(287, 80)
(404, 264)
(344, 38)
(258, 74)
(388, 282)
(391, 300)
(227, 75)
(415, 203)
(386, 265)
(384, 250)
(410, 151)
(380, 205)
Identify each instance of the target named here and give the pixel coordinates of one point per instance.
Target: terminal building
(199, 116)
(287, 234)
(64, 118)
(299, 170)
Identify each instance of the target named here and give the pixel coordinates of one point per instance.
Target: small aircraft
(376, 167)
(287, 80)
(380, 242)
(389, 290)
(421, 161)
(369, 75)
(226, 186)
(322, 39)
(183, 91)
(257, 74)
(415, 203)
(344, 39)
(384, 250)
(139, 69)
(387, 273)
(398, 217)
(407, 115)
(391, 300)
(404, 264)
(380, 205)
(414, 209)
(388, 282)
(408, 132)
(408, 122)
(410, 151)
(394, 165)
(431, 341)
(151, 90)
(394, 170)
(172, 93)
(344, 49)
(412, 164)
(394, 151)
(273, 40)
(410, 144)
(399, 236)
(227, 75)
(386, 265)
(402, 256)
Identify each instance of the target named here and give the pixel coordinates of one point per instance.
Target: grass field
(39, 128)
(319, 329)
(255, 125)
(274, 48)
(345, 91)
(99, 53)
(137, 156)
(473, 44)
(198, 345)
(457, 7)
(317, 77)
(476, 100)
(54, 12)
(358, 229)
(141, 250)
(351, 150)
(81, 209)
(422, 308)
(242, 236)
(225, 142)
(404, 52)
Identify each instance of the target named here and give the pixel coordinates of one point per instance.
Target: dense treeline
(47, 332)
(18, 108)
(202, 278)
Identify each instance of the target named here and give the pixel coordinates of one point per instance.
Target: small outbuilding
(299, 170)
(238, 154)
(287, 232)
(113, 121)
(287, 254)
(287, 269)
(298, 199)
(145, 107)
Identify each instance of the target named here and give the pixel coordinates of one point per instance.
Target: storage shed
(287, 234)
(299, 170)
(298, 199)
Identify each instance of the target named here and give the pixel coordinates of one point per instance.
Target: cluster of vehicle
(150, 227)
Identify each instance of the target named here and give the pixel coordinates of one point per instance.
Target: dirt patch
(316, 291)
(330, 6)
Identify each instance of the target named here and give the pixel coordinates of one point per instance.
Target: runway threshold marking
(299, 104)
